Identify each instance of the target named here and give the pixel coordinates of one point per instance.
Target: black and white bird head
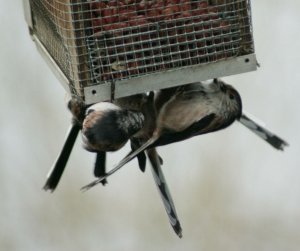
(107, 127)
(230, 100)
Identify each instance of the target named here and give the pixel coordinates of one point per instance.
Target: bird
(77, 108)
(96, 122)
(123, 111)
(193, 109)
(135, 103)
(145, 103)
(265, 134)
(81, 119)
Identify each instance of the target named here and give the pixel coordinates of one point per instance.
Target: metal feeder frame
(64, 35)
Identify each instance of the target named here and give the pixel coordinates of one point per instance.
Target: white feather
(255, 119)
(103, 106)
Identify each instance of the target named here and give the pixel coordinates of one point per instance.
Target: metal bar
(52, 64)
(170, 78)
(27, 13)
(142, 58)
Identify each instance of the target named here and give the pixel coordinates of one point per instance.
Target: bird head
(232, 99)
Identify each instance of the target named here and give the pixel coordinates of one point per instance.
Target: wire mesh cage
(109, 49)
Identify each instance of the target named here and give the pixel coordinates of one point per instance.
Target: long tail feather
(121, 163)
(135, 144)
(263, 133)
(59, 165)
(164, 191)
(100, 166)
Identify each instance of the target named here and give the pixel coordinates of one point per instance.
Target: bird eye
(231, 96)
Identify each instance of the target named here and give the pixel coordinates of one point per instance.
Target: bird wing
(196, 128)
(59, 165)
(128, 158)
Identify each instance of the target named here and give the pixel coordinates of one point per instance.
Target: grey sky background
(232, 191)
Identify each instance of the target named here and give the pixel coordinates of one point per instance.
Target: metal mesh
(94, 42)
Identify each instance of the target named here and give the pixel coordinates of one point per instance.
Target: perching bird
(133, 103)
(138, 104)
(145, 103)
(192, 110)
(77, 108)
(80, 116)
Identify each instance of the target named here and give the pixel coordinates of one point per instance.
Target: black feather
(164, 191)
(100, 166)
(168, 137)
(141, 157)
(58, 168)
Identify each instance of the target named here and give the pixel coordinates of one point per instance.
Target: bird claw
(104, 182)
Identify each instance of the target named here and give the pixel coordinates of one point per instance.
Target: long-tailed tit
(107, 127)
(145, 105)
(124, 116)
(132, 103)
(149, 111)
(80, 116)
(194, 109)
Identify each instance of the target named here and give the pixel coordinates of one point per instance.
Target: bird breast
(178, 114)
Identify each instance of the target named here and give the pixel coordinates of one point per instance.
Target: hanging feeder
(109, 49)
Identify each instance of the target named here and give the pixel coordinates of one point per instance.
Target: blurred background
(232, 190)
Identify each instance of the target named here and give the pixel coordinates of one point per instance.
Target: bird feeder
(102, 50)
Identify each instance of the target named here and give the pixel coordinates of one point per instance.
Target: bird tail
(135, 144)
(59, 165)
(164, 191)
(122, 162)
(100, 166)
(263, 133)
